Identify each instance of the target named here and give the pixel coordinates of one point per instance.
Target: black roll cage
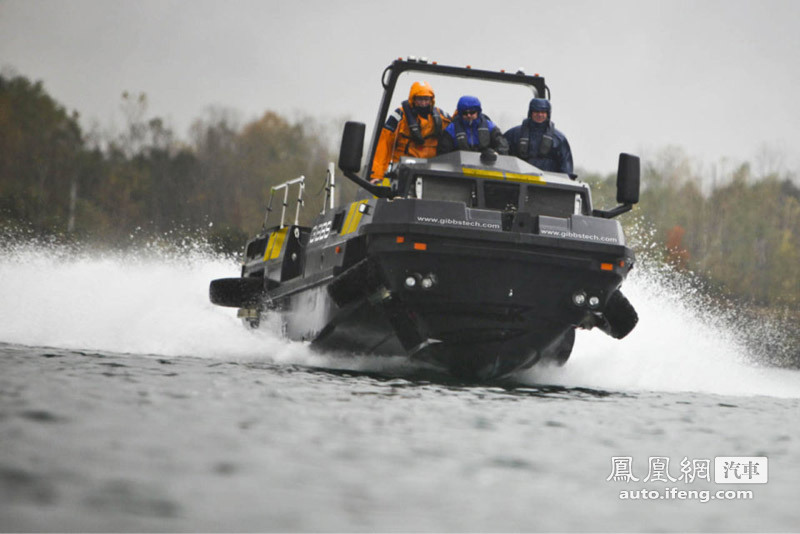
(392, 73)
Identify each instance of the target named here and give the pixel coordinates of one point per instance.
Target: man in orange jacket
(412, 130)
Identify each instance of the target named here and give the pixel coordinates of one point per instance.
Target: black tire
(620, 316)
(236, 292)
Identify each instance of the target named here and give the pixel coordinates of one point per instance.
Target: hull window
(440, 188)
(501, 196)
(550, 202)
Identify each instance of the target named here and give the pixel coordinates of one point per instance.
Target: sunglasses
(471, 112)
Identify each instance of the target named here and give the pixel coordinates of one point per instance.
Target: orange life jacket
(392, 145)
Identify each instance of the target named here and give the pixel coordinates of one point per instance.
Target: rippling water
(128, 402)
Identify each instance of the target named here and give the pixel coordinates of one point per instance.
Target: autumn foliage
(56, 180)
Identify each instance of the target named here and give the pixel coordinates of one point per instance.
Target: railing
(330, 196)
(330, 188)
(285, 186)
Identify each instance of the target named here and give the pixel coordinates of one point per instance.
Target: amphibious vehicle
(478, 263)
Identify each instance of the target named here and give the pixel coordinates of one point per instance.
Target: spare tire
(236, 292)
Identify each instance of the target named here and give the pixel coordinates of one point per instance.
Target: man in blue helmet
(471, 130)
(538, 142)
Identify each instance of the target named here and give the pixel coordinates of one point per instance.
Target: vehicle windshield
(506, 104)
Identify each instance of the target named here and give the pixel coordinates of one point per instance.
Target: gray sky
(718, 78)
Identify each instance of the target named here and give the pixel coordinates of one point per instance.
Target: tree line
(742, 236)
(56, 180)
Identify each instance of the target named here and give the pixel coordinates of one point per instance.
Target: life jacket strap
(414, 128)
(483, 134)
(524, 145)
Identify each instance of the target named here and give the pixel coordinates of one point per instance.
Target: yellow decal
(275, 244)
(500, 175)
(353, 218)
(527, 178)
(482, 173)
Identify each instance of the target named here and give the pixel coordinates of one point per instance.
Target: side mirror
(627, 187)
(350, 154)
(352, 148)
(628, 179)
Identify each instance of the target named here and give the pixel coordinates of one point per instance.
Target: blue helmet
(467, 102)
(539, 104)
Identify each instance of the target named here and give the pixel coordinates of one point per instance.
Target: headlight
(428, 282)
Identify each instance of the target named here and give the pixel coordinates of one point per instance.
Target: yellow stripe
(353, 217)
(280, 237)
(275, 244)
(482, 173)
(270, 242)
(527, 178)
(349, 218)
(499, 175)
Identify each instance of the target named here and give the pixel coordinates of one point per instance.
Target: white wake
(156, 302)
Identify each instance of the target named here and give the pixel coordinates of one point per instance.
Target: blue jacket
(495, 139)
(558, 158)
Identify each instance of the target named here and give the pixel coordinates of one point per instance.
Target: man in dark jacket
(538, 142)
(471, 130)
